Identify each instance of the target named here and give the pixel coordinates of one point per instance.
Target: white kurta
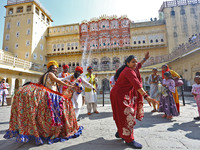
(77, 99)
(90, 97)
(4, 88)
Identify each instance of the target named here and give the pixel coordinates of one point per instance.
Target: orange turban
(53, 62)
(79, 68)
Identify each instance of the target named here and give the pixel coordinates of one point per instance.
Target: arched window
(106, 84)
(105, 63)
(95, 64)
(116, 63)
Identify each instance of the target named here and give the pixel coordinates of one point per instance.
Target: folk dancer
(76, 96)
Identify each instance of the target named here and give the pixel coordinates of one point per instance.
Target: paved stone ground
(153, 132)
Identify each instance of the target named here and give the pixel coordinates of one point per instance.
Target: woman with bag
(178, 82)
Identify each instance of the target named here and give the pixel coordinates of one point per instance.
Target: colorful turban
(53, 62)
(79, 68)
(89, 67)
(65, 66)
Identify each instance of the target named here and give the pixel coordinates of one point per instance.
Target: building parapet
(178, 52)
(8, 60)
(175, 3)
(13, 61)
(147, 23)
(103, 50)
(13, 2)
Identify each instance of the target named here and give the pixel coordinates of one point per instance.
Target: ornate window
(17, 34)
(8, 26)
(95, 64)
(116, 63)
(7, 36)
(27, 42)
(28, 21)
(58, 47)
(43, 17)
(19, 9)
(105, 63)
(28, 8)
(47, 21)
(6, 48)
(41, 57)
(34, 56)
(114, 24)
(10, 11)
(125, 23)
(18, 23)
(37, 10)
(16, 45)
(84, 28)
(54, 47)
(27, 55)
(41, 46)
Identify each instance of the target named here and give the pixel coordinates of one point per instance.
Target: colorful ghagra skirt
(42, 114)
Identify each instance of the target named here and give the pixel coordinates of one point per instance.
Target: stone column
(23, 81)
(12, 86)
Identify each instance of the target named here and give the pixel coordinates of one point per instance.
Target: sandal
(154, 110)
(169, 117)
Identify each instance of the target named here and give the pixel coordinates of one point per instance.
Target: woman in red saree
(126, 99)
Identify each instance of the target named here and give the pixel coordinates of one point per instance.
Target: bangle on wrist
(145, 95)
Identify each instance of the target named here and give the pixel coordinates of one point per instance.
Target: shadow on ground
(116, 144)
(188, 126)
(93, 116)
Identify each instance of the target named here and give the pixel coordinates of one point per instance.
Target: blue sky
(75, 11)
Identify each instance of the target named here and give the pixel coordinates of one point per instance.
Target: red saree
(127, 103)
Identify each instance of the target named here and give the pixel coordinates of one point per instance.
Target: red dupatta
(165, 71)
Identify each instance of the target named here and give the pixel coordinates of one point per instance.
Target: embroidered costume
(127, 102)
(167, 103)
(41, 113)
(76, 96)
(175, 94)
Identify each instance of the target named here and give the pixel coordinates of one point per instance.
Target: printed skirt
(42, 114)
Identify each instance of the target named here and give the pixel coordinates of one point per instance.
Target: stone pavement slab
(153, 132)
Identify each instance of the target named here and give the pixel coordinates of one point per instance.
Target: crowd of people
(50, 108)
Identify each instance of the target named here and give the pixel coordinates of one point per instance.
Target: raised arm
(131, 76)
(87, 84)
(57, 80)
(145, 58)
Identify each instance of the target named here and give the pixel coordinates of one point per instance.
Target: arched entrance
(16, 84)
(105, 83)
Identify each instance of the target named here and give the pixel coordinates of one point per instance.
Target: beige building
(105, 42)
